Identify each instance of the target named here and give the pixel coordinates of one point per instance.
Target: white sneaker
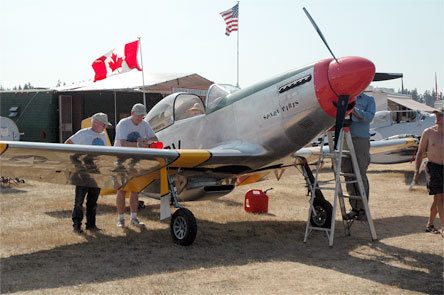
(137, 223)
(121, 223)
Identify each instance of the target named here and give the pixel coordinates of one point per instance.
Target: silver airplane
(384, 125)
(384, 128)
(236, 132)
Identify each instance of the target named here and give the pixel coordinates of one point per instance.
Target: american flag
(231, 17)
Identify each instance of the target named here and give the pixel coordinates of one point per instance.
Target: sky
(47, 40)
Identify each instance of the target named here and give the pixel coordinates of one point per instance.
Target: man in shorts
(431, 147)
(132, 131)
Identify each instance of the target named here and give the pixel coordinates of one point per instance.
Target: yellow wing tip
(3, 148)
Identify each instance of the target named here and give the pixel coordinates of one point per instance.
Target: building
(402, 105)
(35, 113)
(52, 115)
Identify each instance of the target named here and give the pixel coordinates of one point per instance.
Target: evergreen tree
(415, 95)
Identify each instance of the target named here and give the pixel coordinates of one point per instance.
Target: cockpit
(181, 106)
(217, 96)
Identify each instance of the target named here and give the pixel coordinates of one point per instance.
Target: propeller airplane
(208, 146)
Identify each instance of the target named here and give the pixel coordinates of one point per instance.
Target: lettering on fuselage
(289, 106)
(271, 114)
(295, 83)
(173, 146)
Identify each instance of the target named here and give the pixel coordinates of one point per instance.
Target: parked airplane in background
(392, 141)
(389, 125)
(385, 124)
(387, 151)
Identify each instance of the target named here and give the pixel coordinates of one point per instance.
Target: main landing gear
(183, 225)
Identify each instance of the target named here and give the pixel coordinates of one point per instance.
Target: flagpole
(115, 108)
(237, 83)
(143, 74)
(436, 88)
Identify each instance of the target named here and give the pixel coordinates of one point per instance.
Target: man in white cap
(93, 135)
(132, 131)
(432, 147)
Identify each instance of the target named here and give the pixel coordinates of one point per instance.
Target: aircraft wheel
(183, 227)
(324, 211)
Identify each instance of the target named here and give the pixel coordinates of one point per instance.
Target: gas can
(256, 201)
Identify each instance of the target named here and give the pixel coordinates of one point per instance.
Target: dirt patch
(234, 252)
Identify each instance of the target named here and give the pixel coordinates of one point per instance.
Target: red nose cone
(349, 76)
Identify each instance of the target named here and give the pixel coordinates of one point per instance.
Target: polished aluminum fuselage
(265, 120)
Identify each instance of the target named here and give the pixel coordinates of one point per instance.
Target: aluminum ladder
(343, 149)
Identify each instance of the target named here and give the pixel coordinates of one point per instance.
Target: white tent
(158, 83)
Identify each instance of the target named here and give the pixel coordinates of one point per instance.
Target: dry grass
(234, 253)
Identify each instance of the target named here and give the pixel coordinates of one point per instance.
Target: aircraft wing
(376, 147)
(389, 145)
(125, 168)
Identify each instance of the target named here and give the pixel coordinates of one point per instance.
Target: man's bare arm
(421, 154)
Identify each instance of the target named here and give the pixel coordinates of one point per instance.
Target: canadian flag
(117, 61)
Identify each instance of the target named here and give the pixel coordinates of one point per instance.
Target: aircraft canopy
(174, 107)
(216, 94)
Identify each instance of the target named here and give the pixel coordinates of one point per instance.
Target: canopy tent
(411, 104)
(157, 83)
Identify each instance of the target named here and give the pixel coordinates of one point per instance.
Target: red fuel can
(256, 201)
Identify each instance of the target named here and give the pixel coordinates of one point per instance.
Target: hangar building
(52, 115)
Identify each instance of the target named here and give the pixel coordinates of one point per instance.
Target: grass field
(234, 253)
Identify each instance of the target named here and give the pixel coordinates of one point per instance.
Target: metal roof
(411, 104)
(159, 83)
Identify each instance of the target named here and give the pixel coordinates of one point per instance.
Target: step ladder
(344, 148)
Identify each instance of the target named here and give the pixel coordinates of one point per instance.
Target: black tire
(183, 227)
(324, 211)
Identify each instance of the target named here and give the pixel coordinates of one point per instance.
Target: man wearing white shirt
(93, 135)
(132, 131)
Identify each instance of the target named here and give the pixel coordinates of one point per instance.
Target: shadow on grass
(11, 190)
(105, 258)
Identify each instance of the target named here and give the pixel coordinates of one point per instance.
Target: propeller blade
(319, 32)
(341, 110)
(386, 76)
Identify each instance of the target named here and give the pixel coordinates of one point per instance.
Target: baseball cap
(139, 109)
(101, 117)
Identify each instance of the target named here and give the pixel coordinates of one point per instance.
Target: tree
(28, 86)
(415, 96)
(429, 99)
